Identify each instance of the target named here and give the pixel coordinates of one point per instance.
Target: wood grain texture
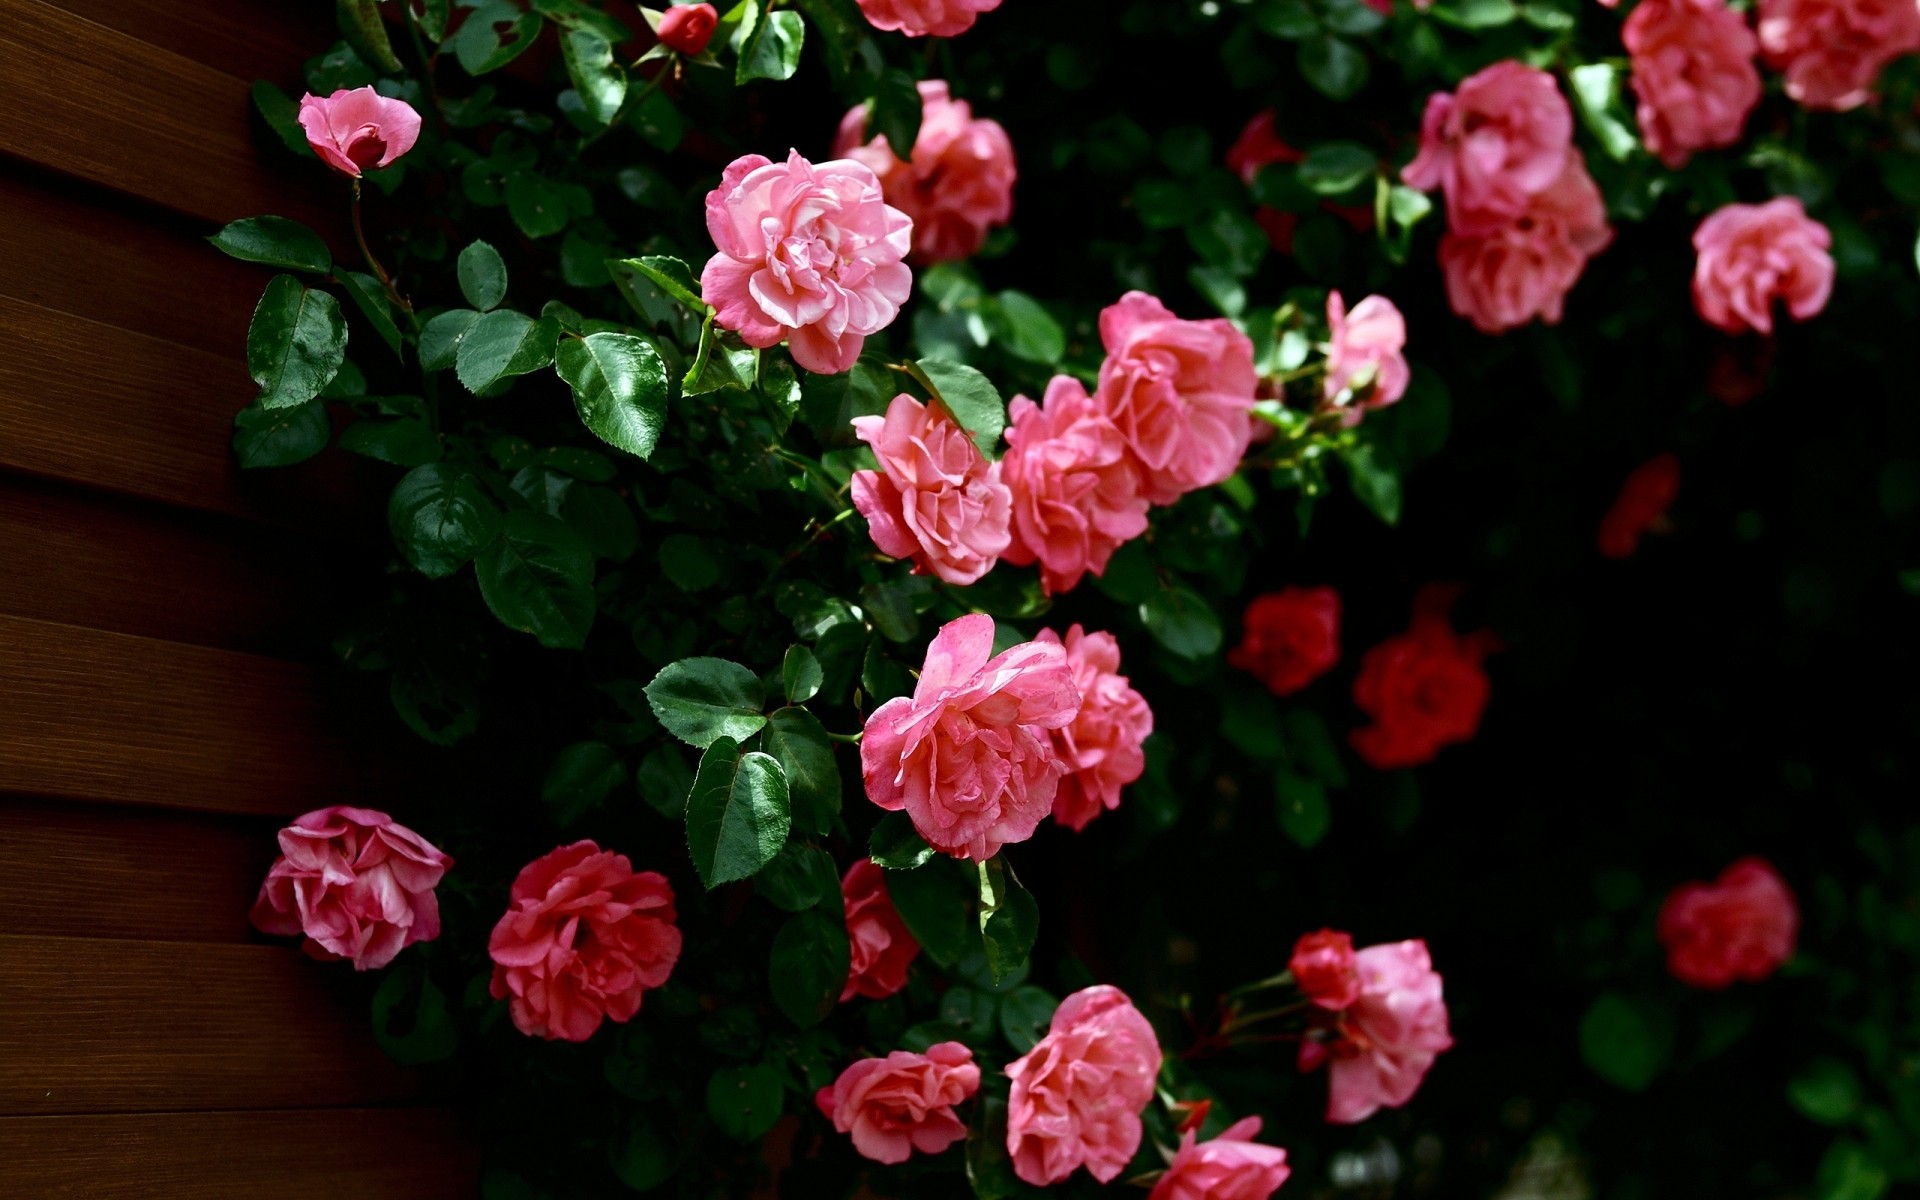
(244, 38)
(328, 1154)
(91, 1026)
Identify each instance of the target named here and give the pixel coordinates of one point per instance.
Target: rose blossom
(1230, 1167)
(1291, 637)
(807, 253)
(1364, 355)
(882, 947)
(1424, 689)
(1078, 1093)
(357, 885)
(1324, 966)
(358, 130)
(1524, 270)
(1100, 750)
(1076, 492)
(969, 755)
(904, 1102)
(1693, 75)
(1832, 51)
(919, 18)
(1498, 140)
(1645, 495)
(687, 27)
(1751, 255)
(1384, 1043)
(582, 939)
(1258, 146)
(1180, 392)
(959, 182)
(1739, 927)
(935, 499)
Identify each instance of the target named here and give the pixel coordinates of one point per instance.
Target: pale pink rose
(1364, 354)
(882, 947)
(1101, 748)
(1230, 1167)
(357, 885)
(1180, 392)
(358, 130)
(935, 499)
(1076, 491)
(1385, 1041)
(1693, 75)
(1493, 144)
(1525, 270)
(921, 18)
(583, 938)
(959, 183)
(1832, 51)
(904, 1102)
(1752, 255)
(1077, 1095)
(969, 755)
(809, 253)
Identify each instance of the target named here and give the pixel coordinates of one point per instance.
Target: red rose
(687, 27)
(1645, 495)
(1424, 689)
(1291, 638)
(1323, 966)
(1741, 926)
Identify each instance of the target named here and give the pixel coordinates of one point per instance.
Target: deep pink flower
(1693, 74)
(1503, 279)
(358, 130)
(1324, 967)
(1100, 750)
(583, 938)
(1425, 689)
(935, 499)
(807, 253)
(1832, 51)
(882, 947)
(904, 1102)
(1645, 495)
(921, 18)
(1751, 255)
(1180, 392)
(1259, 145)
(1076, 491)
(1493, 144)
(1078, 1093)
(969, 756)
(1383, 1044)
(1230, 1167)
(1741, 926)
(1290, 638)
(688, 27)
(959, 182)
(1364, 355)
(357, 885)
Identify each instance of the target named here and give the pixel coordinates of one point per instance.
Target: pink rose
(1493, 144)
(1693, 74)
(1832, 51)
(357, 885)
(1325, 968)
(1524, 270)
(1180, 392)
(358, 130)
(1076, 492)
(688, 27)
(1385, 1042)
(807, 253)
(582, 939)
(1290, 638)
(1259, 145)
(1230, 1167)
(1101, 748)
(883, 949)
(1077, 1095)
(959, 182)
(904, 1102)
(1363, 355)
(935, 499)
(1754, 254)
(969, 755)
(919, 18)
(1741, 926)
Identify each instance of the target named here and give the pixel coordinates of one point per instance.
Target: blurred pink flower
(1364, 354)
(958, 183)
(1693, 74)
(1505, 278)
(1230, 1167)
(1742, 926)
(1832, 51)
(1324, 967)
(1386, 1040)
(1289, 638)
(935, 499)
(1645, 495)
(1078, 1093)
(1493, 144)
(1751, 255)
(688, 27)
(921, 18)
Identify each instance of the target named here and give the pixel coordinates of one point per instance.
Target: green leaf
(663, 781)
(579, 14)
(937, 903)
(371, 299)
(745, 1101)
(1849, 1171)
(1337, 167)
(642, 1156)
(1826, 1092)
(770, 45)
(580, 777)
(411, 1021)
(1375, 482)
(670, 275)
(808, 966)
(441, 338)
(1009, 919)
(894, 110)
(619, 388)
(538, 578)
(1625, 1043)
(275, 241)
(1025, 1013)
(361, 25)
(280, 437)
(440, 518)
(1301, 806)
(1478, 14)
(897, 845)
(737, 813)
(687, 563)
(796, 738)
(296, 343)
(282, 116)
(701, 700)
(1596, 94)
(1030, 330)
(1289, 20)
(483, 275)
(1182, 622)
(430, 18)
(1352, 16)
(403, 441)
(1335, 67)
(1405, 208)
(800, 674)
(798, 878)
(969, 396)
(482, 47)
(600, 80)
(502, 344)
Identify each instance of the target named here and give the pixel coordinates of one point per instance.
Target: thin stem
(366, 252)
(1242, 1020)
(852, 738)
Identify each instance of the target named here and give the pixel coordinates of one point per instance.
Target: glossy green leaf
(808, 966)
(670, 275)
(796, 738)
(1182, 622)
(1031, 332)
(798, 878)
(441, 518)
(596, 74)
(1336, 167)
(770, 44)
(893, 111)
(737, 813)
(371, 299)
(1009, 919)
(296, 343)
(282, 116)
(700, 700)
(745, 1101)
(502, 344)
(441, 337)
(937, 901)
(537, 577)
(275, 241)
(970, 396)
(1596, 94)
(897, 845)
(1375, 482)
(280, 437)
(619, 388)
(1025, 1013)
(800, 674)
(483, 275)
(493, 35)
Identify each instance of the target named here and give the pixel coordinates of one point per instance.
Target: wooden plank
(87, 101)
(93, 1026)
(324, 1154)
(244, 38)
(92, 715)
(129, 873)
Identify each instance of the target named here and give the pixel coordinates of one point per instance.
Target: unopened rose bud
(688, 27)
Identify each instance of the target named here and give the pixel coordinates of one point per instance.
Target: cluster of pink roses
(1380, 1020)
